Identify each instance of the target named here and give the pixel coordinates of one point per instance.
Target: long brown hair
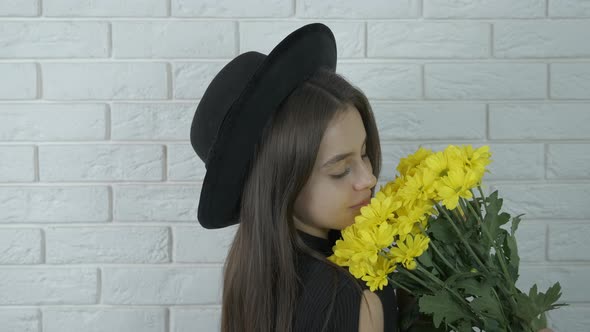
(260, 280)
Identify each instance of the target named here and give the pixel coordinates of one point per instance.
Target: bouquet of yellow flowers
(428, 233)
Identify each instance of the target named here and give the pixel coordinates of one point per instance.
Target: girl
(292, 152)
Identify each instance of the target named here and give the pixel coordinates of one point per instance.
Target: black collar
(324, 246)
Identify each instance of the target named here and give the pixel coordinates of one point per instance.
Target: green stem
(418, 280)
(476, 203)
(440, 255)
(465, 243)
(400, 285)
(501, 308)
(500, 255)
(483, 197)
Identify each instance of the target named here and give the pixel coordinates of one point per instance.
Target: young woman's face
(341, 180)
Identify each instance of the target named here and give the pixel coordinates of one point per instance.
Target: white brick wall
(99, 185)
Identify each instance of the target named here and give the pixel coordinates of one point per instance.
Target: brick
(569, 242)
(530, 238)
(74, 39)
(545, 201)
(351, 9)
(183, 319)
(263, 36)
(196, 244)
(20, 246)
(105, 8)
(104, 319)
(486, 81)
(428, 39)
(538, 121)
(516, 162)
(484, 9)
(575, 317)
(18, 81)
(568, 161)
(156, 202)
(571, 278)
(192, 79)
(184, 164)
(569, 8)
(162, 286)
(397, 121)
(384, 80)
(54, 204)
(22, 165)
(21, 320)
(44, 122)
(230, 8)
(538, 39)
(570, 80)
(108, 81)
(12, 8)
(98, 162)
(151, 121)
(48, 286)
(208, 39)
(107, 245)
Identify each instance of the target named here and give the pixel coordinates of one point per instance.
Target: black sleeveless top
(325, 290)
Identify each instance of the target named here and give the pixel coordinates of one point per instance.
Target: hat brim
(292, 61)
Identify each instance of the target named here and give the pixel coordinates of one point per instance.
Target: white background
(99, 184)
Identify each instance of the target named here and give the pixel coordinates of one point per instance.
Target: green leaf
(442, 231)
(490, 324)
(530, 307)
(473, 287)
(488, 306)
(540, 322)
(425, 259)
(511, 250)
(441, 306)
(524, 308)
(545, 301)
(464, 326)
(515, 223)
(493, 219)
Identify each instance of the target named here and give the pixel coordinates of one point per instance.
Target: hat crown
(222, 92)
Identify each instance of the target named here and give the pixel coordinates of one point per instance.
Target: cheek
(331, 205)
(325, 205)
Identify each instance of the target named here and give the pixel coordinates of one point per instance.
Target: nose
(366, 179)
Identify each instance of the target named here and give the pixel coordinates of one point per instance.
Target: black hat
(237, 105)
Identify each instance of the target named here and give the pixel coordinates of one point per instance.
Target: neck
(318, 232)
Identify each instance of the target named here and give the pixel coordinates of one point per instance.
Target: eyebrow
(340, 157)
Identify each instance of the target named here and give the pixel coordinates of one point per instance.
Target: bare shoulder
(371, 313)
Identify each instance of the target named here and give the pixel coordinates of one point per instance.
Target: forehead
(345, 133)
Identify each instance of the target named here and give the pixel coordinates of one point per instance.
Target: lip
(361, 204)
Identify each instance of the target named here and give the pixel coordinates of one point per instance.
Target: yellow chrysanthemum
(376, 275)
(390, 229)
(476, 160)
(418, 187)
(362, 242)
(406, 251)
(407, 165)
(440, 163)
(380, 209)
(392, 187)
(456, 184)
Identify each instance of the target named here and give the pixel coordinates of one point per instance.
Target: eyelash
(339, 176)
